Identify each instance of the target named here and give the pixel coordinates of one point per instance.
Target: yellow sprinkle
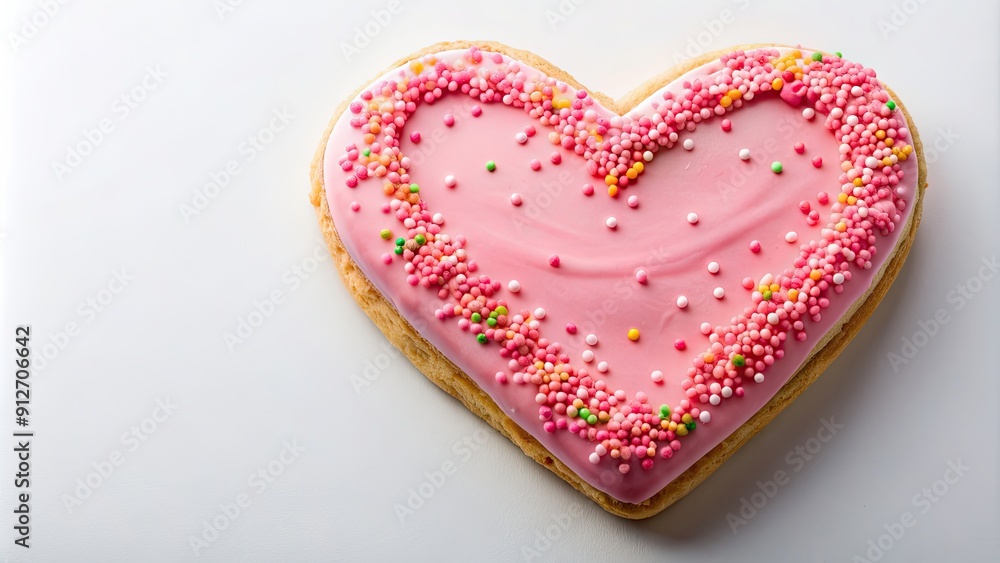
(734, 94)
(774, 288)
(851, 200)
(612, 191)
(681, 430)
(880, 134)
(536, 96)
(687, 418)
(578, 403)
(672, 426)
(631, 174)
(842, 197)
(886, 161)
(725, 101)
(639, 167)
(907, 150)
(610, 180)
(889, 141)
(417, 67)
(665, 424)
(633, 334)
(858, 182)
(709, 357)
(561, 104)
(841, 226)
(816, 275)
(793, 294)
(777, 83)
(762, 288)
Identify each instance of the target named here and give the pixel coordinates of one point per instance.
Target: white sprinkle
(591, 339)
(705, 417)
(758, 377)
(682, 302)
(872, 162)
(719, 293)
(588, 356)
(688, 144)
(611, 222)
(449, 181)
(857, 92)
(713, 267)
(521, 137)
(437, 219)
(863, 212)
(647, 156)
(516, 199)
(809, 113)
(744, 154)
(715, 399)
(772, 318)
(602, 367)
(706, 328)
(692, 218)
(656, 376)
(514, 286)
(791, 236)
(838, 278)
(594, 458)
(727, 392)
(539, 313)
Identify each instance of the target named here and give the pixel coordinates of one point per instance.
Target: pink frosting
(595, 285)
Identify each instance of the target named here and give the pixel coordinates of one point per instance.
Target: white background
(161, 337)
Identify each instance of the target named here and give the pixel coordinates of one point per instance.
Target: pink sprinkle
(727, 125)
(680, 344)
(535, 164)
(823, 198)
(556, 158)
(554, 260)
(747, 283)
(571, 328)
(386, 258)
(529, 130)
(641, 276)
(755, 246)
(449, 119)
(355, 206)
(352, 182)
(477, 111)
(633, 201)
(705, 328)
(804, 206)
(588, 190)
(516, 199)
(818, 161)
(800, 148)
(501, 377)
(415, 136)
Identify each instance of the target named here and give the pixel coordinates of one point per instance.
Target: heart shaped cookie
(627, 290)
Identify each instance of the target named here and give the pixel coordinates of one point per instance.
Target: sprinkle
(602, 366)
(817, 56)
(705, 328)
(514, 286)
(633, 334)
(804, 206)
(838, 278)
(355, 206)
(386, 234)
(449, 180)
(809, 113)
(799, 148)
(838, 53)
(415, 137)
(570, 328)
(773, 319)
(554, 260)
(817, 161)
(719, 293)
(539, 313)
(591, 340)
(744, 154)
(386, 258)
(516, 199)
(647, 156)
(656, 376)
(535, 164)
(588, 190)
(776, 167)
(641, 276)
(588, 356)
(529, 130)
(688, 144)
(555, 157)
(633, 201)
(758, 377)
(755, 246)
(611, 222)
(713, 267)
(414, 188)
(476, 110)
(705, 417)
(727, 125)
(449, 119)
(680, 344)
(421, 239)
(521, 137)
(891, 105)
(738, 360)
(481, 338)
(682, 302)
(791, 236)
(490, 165)
(748, 283)
(692, 218)
(823, 198)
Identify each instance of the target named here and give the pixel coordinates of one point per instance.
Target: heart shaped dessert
(627, 290)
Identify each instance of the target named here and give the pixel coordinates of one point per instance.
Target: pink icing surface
(595, 286)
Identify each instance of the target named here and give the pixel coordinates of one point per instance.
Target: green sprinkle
(476, 317)
(490, 165)
(494, 315)
(491, 322)
(400, 241)
(592, 419)
(839, 54)
(664, 411)
(501, 310)
(481, 338)
(691, 425)
(386, 234)
(767, 295)
(891, 105)
(399, 250)
(367, 152)
(738, 360)
(776, 167)
(584, 413)
(817, 56)
(421, 239)
(414, 188)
